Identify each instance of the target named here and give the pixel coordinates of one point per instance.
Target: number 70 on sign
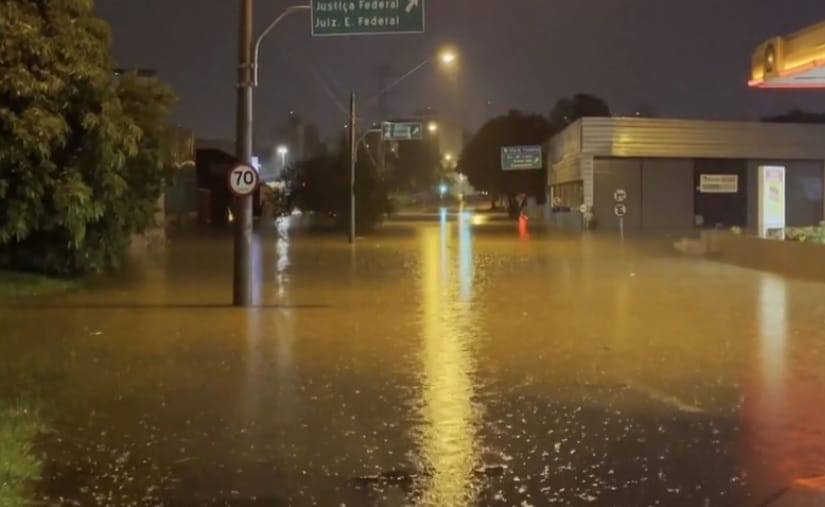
(243, 180)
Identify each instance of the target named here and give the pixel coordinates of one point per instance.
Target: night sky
(686, 58)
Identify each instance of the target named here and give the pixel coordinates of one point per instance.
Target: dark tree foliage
(79, 151)
(582, 105)
(320, 185)
(797, 116)
(415, 167)
(481, 158)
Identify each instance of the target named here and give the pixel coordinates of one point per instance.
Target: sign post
(353, 163)
(366, 17)
(242, 265)
(620, 209)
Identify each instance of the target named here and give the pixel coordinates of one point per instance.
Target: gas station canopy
(793, 61)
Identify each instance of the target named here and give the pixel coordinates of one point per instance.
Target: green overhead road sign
(403, 131)
(366, 17)
(521, 158)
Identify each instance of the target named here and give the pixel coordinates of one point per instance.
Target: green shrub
(19, 464)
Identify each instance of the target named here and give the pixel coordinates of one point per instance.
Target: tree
(416, 166)
(148, 103)
(78, 152)
(481, 158)
(582, 105)
(797, 116)
(319, 185)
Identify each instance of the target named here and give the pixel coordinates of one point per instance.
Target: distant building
(678, 175)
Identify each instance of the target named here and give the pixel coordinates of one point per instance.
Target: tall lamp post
(242, 276)
(249, 49)
(283, 151)
(446, 57)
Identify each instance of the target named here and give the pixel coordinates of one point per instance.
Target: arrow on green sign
(367, 17)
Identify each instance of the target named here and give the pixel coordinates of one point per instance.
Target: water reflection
(282, 257)
(773, 339)
(465, 256)
(765, 410)
(448, 444)
(283, 325)
(268, 333)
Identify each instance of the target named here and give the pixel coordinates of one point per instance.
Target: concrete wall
(609, 175)
(804, 191)
(803, 260)
(659, 193)
(667, 194)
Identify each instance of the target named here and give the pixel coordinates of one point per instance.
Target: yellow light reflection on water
(448, 444)
(773, 337)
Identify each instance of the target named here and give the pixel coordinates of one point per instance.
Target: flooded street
(439, 364)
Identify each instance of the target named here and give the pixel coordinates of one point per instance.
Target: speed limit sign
(243, 180)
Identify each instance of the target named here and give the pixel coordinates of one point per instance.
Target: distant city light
(283, 150)
(432, 127)
(443, 188)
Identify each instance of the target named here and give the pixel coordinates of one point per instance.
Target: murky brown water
(439, 364)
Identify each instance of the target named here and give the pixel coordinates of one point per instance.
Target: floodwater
(439, 364)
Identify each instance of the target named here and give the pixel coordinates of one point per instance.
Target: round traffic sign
(583, 208)
(620, 195)
(620, 210)
(243, 180)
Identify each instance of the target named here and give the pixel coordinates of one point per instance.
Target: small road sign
(402, 131)
(366, 17)
(620, 195)
(521, 158)
(243, 180)
(620, 210)
(583, 208)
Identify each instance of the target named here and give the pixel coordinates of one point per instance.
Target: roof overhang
(793, 61)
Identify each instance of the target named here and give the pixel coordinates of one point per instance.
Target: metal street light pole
(242, 276)
(353, 162)
(447, 58)
(249, 51)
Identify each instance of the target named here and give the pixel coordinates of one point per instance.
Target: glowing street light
(283, 151)
(432, 127)
(448, 56)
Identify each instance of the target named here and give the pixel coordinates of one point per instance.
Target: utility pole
(384, 73)
(353, 161)
(242, 276)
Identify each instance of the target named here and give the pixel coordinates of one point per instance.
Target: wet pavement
(438, 364)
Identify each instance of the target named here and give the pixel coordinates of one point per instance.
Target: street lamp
(432, 127)
(249, 52)
(283, 151)
(447, 57)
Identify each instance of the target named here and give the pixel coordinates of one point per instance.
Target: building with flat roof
(685, 174)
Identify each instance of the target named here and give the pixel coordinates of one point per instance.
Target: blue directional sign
(521, 158)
